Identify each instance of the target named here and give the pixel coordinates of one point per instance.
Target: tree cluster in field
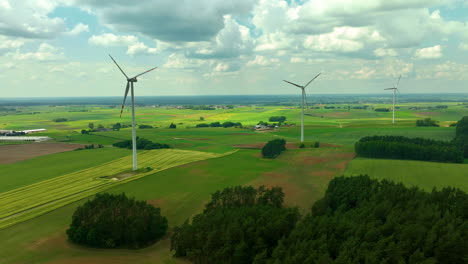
(239, 225)
(359, 220)
(273, 148)
(172, 125)
(116, 221)
(60, 119)
(427, 122)
(145, 126)
(218, 124)
(141, 143)
(279, 119)
(315, 145)
(365, 221)
(399, 147)
(461, 136)
(382, 110)
(91, 146)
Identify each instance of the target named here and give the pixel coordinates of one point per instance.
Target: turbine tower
(130, 82)
(395, 89)
(304, 100)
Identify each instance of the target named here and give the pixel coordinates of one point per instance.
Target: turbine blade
(312, 80)
(119, 67)
(398, 91)
(145, 72)
(125, 98)
(398, 81)
(293, 84)
(389, 88)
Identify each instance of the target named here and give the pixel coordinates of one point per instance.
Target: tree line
(218, 124)
(400, 147)
(141, 143)
(359, 220)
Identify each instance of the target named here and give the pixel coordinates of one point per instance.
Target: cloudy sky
(59, 47)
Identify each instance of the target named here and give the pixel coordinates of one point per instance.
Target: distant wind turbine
(130, 82)
(395, 89)
(304, 100)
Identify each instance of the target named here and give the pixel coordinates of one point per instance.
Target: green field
(423, 174)
(38, 196)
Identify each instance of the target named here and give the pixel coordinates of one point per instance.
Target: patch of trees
(427, 122)
(218, 124)
(91, 146)
(172, 125)
(329, 107)
(116, 221)
(399, 147)
(364, 107)
(144, 126)
(280, 119)
(199, 107)
(382, 110)
(461, 136)
(273, 148)
(365, 221)
(239, 225)
(141, 143)
(441, 106)
(60, 119)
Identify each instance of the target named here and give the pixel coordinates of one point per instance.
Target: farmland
(32, 200)
(43, 191)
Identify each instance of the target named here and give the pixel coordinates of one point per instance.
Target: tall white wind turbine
(395, 89)
(304, 100)
(130, 82)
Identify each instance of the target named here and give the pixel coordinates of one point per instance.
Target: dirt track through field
(15, 153)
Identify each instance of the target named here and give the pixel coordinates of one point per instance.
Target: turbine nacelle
(132, 80)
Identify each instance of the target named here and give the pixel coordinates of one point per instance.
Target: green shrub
(316, 144)
(115, 221)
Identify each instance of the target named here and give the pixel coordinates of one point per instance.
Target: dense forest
(141, 143)
(273, 148)
(359, 220)
(115, 221)
(365, 221)
(240, 225)
(399, 147)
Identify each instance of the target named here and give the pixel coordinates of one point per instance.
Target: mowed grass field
(38, 198)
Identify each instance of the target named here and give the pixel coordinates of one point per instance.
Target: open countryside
(234, 132)
(214, 157)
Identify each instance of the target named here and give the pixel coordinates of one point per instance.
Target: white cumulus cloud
(78, 29)
(434, 52)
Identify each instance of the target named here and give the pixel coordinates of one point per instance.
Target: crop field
(44, 191)
(41, 197)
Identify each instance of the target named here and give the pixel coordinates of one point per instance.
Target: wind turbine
(304, 99)
(130, 82)
(395, 89)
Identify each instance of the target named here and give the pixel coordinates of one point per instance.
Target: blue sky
(54, 48)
